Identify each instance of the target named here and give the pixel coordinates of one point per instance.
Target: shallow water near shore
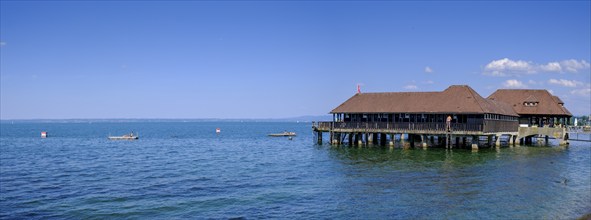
(186, 170)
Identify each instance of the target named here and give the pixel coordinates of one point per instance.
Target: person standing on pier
(448, 123)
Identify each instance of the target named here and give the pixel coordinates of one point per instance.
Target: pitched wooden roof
(454, 99)
(531, 98)
(547, 103)
(558, 100)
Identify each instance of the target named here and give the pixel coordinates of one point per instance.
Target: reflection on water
(521, 181)
(421, 158)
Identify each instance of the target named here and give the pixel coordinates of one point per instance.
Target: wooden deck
(362, 133)
(488, 127)
(369, 132)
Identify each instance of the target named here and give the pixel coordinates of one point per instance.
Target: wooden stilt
(391, 143)
(475, 140)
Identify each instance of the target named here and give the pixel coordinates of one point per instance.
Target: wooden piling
(475, 140)
(391, 143)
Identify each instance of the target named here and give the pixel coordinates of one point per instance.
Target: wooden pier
(414, 134)
(455, 117)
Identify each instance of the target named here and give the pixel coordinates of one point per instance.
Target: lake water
(186, 170)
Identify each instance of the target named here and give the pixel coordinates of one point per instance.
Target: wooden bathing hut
(420, 117)
(536, 108)
(541, 114)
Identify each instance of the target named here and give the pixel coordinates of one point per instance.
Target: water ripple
(184, 170)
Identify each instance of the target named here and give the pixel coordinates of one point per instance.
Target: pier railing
(401, 126)
(488, 126)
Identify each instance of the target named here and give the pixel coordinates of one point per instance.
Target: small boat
(284, 134)
(130, 136)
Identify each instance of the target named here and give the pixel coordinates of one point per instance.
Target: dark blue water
(185, 170)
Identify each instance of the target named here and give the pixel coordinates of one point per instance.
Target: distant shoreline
(294, 119)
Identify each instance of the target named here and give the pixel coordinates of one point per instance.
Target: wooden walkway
(579, 136)
(382, 133)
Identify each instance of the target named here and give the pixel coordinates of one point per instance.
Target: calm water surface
(185, 170)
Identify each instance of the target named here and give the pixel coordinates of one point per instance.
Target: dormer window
(530, 103)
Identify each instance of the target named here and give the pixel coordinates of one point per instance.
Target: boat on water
(284, 134)
(130, 136)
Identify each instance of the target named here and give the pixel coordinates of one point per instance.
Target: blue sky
(158, 59)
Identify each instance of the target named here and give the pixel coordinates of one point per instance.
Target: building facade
(468, 111)
(453, 115)
(536, 108)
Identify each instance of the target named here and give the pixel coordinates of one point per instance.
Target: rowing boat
(284, 134)
(130, 136)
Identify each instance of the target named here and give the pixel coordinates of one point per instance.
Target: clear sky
(161, 59)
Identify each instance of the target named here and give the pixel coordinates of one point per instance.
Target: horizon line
(279, 118)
